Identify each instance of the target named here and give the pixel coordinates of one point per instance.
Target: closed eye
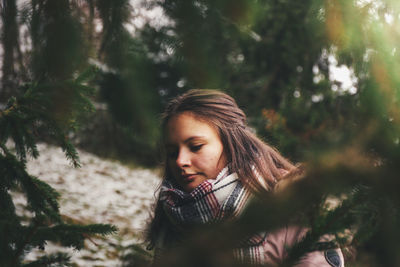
(196, 148)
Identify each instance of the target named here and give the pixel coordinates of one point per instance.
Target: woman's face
(194, 150)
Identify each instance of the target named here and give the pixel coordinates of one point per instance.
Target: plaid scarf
(214, 200)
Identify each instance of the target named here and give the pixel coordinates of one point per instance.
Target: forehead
(187, 125)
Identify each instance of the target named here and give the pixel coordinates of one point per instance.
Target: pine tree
(275, 57)
(19, 122)
(46, 90)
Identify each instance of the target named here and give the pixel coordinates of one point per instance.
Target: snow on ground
(101, 191)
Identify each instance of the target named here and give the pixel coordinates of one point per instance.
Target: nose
(183, 159)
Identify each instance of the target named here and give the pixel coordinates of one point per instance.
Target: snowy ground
(101, 191)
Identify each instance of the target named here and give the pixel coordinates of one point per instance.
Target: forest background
(96, 74)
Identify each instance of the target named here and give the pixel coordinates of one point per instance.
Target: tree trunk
(9, 40)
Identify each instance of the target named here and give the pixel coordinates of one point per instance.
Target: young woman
(213, 165)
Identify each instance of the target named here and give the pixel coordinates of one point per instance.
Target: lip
(187, 178)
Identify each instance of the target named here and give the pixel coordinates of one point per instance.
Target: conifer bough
(19, 123)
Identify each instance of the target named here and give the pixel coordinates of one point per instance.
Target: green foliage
(56, 260)
(19, 123)
(276, 58)
(50, 95)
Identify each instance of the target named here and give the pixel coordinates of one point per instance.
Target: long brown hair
(258, 165)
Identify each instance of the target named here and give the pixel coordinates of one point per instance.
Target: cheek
(212, 163)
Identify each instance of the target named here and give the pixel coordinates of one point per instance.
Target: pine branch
(87, 75)
(56, 103)
(54, 260)
(27, 239)
(72, 235)
(41, 197)
(34, 108)
(341, 218)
